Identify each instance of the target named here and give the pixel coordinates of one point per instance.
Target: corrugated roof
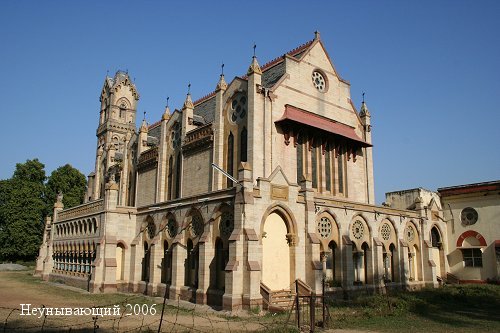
(304, 117)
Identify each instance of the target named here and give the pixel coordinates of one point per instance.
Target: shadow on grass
(458, 308)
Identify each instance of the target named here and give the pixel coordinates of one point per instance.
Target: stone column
(232, 299)
(253, 297)
(380, 269)
(179, 256)
(430, 270)
(156, 256)
(206, 255)
(109, 280)
(405, 268)
(348, 269)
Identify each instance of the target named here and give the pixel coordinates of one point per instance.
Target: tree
(22, 209)
(68, 180)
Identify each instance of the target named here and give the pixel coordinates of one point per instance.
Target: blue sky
(430, 70)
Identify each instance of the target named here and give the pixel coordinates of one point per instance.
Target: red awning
(304, 117)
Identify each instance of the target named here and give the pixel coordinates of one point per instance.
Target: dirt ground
(18, 288)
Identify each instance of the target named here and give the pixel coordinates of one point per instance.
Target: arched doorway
(120, 262)
(145, 263)
(437, 252)
(275, 253)
(166, 265)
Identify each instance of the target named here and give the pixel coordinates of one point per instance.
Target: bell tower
(115, 136)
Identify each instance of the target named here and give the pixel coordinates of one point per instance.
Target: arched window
(328, 171)
(178, 176)
(169, 181)
(340, 170)
(166, 264)
(435, 237)
(300, 158)
(145, 263)
(314, 167)
(230, 156)
(243, 145)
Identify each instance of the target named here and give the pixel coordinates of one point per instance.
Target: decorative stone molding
(232, 265)
(253, 265)
(82, 210)
(198, 139)
(148, 160)
(291, 239)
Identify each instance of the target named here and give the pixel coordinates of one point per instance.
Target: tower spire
(166, 113)
(363, 112)
(221, 85)
(188, 103)
(254, 66)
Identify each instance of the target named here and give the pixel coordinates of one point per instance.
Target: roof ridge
(292, 52)
(154, 124)
(277, 60)
(204, 98)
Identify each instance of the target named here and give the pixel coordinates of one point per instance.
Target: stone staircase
(281, 300)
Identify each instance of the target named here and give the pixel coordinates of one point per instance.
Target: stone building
(472, 214)
(296, 202)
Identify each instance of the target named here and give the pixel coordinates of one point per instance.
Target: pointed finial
(221, 85)
(188, 103)
(144, 116)
(254, 66)
(363, 112)
(316, 35)
(166, 114)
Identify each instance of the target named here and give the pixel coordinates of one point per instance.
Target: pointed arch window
(169, 181)
(328, 171)
(178, 176)
(230, 157)
(314, 167)
(243, 145)
(340, 169)
(300, 158)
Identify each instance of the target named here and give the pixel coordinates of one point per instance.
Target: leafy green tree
(22, 209)
(68, 180)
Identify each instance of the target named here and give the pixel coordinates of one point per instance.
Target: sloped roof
(303, 117)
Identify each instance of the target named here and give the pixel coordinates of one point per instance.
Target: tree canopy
(25, 200)
(69, 181)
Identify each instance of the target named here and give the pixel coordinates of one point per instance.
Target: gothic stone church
(159, 217)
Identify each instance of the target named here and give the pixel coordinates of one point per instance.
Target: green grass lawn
(455, 308)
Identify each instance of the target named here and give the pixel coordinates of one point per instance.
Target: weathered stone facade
(160, 218)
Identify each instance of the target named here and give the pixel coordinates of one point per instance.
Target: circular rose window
(410, 234)
(358, 229)
(196, 225)
(319, 81)
(324, 227)
(151, 229)
(385, 231)
(226, 225)
(172, 228)
(238, 109)
(469, 216)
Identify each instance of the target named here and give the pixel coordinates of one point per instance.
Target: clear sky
(430, 70)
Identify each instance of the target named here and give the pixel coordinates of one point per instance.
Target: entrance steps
(282, 300)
